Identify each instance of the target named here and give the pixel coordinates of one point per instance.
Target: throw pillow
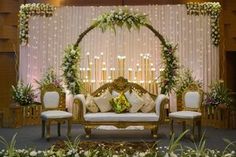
(115, 93)
(120, 104)
(135, 100)
(103, 101)
(90, 104)
(149, 103)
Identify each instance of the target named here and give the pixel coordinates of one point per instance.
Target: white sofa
(149, 120)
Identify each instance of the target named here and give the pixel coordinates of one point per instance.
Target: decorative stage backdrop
(134, 54)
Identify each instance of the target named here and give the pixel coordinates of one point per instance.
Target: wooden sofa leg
(87, 131)
(154, 131)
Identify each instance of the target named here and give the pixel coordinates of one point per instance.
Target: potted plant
(23, 94)
(184, 79)
(218, 95)
(50, 78)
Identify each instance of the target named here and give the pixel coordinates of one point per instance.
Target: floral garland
(211, 9)
(168, 73)
(69, 66)
(119, 18)
(110, 20)
(27, 10)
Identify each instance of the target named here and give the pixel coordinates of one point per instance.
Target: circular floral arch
(110, 20)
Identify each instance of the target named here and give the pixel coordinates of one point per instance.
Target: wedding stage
(120, 72)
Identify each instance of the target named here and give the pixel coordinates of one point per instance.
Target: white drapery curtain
(48, 38)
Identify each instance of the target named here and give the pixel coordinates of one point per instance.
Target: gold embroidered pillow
(90, 104)
(135, 100)
(120, 103)
(149, 103)
(103, 101)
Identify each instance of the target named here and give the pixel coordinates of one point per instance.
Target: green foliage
(120, 104)
(120, 18)
(184, 79)
(218, 94)
(75, 149)
(69, 66)
(23, 94)
(211, 9)
(169, 71)
(10, 147)
(50, 78)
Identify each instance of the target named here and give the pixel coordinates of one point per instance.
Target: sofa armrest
(79, 107)
(160, 102)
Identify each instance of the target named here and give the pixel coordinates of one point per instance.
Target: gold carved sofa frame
(121, 84)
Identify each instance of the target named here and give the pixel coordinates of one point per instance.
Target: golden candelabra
(96, 73)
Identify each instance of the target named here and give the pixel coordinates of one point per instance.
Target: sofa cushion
(185, 114)
(55, 114)
(103, 101)
(114, 93)
(127, 117)
(120, 104)
(90, 104)
(135, 100)
(149, 103)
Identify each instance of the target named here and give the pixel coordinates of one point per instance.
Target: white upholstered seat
(185, 114)
(192, 99)
(54, 114)
(51, 99)
(130, 117)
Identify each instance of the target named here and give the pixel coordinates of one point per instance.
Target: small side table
(16, 115)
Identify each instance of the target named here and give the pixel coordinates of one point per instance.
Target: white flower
(86, 153)
(33, 153)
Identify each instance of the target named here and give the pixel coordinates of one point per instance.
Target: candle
(123, 66)
(130, 74)
(88, 58)
(141, 60)
(112, 73)
(119, 65)
(96, 67)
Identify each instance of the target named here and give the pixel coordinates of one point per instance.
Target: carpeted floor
(30, 136)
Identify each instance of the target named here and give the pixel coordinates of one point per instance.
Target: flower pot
(222, 106)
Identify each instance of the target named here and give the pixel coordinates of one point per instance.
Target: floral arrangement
(23, 94)
(169, 71)
(27, 10)
(76, 149)
(218, 95)
(69, 66)
(120, 104)
(184, 79)
(50, 78)
(119, 18)
(211, 9)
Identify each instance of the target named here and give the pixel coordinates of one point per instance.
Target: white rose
(33, 153)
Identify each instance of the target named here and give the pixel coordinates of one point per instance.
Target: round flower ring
(130, 19)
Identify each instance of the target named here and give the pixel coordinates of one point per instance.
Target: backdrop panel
(48, 37)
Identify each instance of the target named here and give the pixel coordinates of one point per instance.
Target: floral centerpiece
(23, 94)
(50, 78)
(218, 95)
